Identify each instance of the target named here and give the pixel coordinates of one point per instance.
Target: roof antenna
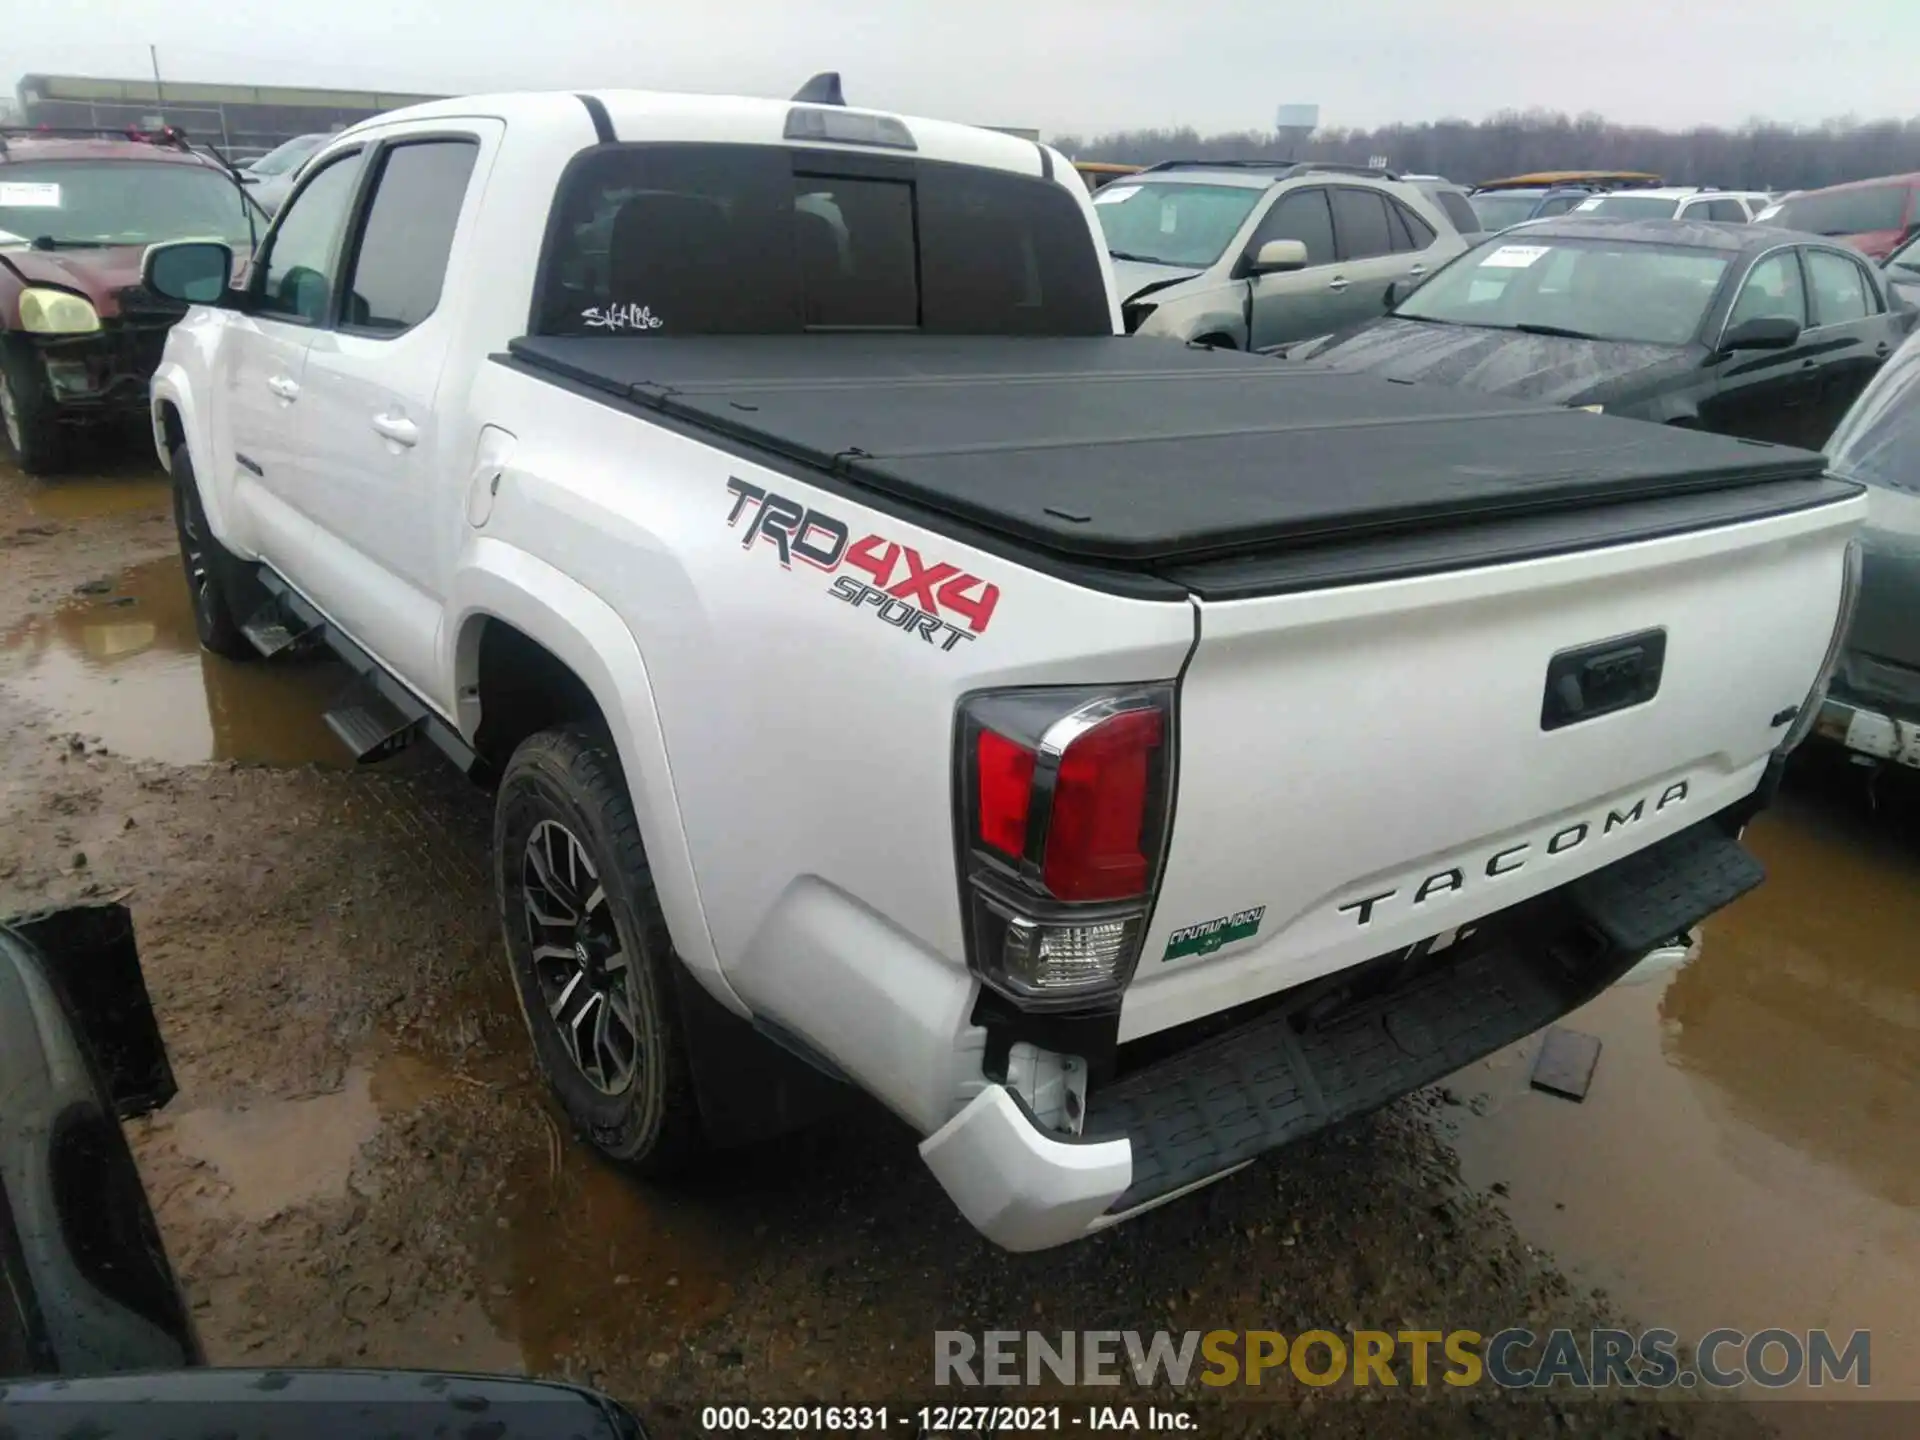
(822, 89)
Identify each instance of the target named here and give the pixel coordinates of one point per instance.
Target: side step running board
(272, 629)
(377, 716)
(371, 726)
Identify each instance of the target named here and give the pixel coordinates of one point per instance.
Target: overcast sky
(1060, 65)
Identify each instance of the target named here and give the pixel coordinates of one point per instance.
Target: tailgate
(1368, 767)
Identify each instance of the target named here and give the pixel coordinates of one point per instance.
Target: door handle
(1337, 284)
(397, 428)
(1417, 269)
(286, 389)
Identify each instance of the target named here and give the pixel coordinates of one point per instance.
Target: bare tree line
(1758, 155)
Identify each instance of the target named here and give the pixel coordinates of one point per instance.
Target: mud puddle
(94, 497)
(1747, 1156)
(118, 660)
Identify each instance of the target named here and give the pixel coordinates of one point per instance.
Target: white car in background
(1679, 202)
(270, 178)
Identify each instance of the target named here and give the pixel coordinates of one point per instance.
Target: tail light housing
(1065, 798)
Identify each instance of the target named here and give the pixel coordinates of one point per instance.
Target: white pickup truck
(1118, 758)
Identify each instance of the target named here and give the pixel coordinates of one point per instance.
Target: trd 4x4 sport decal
(906, 592)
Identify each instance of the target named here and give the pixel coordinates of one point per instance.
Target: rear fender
(500, 581)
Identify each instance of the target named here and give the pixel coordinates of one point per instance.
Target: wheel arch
(540, 649)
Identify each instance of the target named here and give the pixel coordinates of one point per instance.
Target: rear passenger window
(1731, 210)
(1839, 286)
(401, 261)
(1360, 222)
(763, 240)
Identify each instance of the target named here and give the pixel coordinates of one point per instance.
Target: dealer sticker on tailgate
(1210, 935)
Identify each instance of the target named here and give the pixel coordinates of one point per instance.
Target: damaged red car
(79, 336)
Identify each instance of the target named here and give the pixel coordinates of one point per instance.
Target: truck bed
(1146, 455)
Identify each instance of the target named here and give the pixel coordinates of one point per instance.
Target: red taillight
(1065, 797)
(1005, 771)
(1096, 839)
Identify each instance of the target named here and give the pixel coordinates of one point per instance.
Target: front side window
(1586, 288)
(71, 203)
(1301, 215)
(1840, 290)
(762, 240)
(1773, 292)
(401, 260)
(294, 281)
(1172, 224)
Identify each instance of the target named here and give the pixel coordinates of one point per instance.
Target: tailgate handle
(1598, 679)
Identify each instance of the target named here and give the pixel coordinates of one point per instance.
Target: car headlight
(56, 312)
(1592, 409)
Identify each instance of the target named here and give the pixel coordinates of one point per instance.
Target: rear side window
(1410, 232)
(1729, 210)
(1360, 220)
(763, 240)
(1846, 212)
(1840, 290)
(1459, 212)
(401, 260)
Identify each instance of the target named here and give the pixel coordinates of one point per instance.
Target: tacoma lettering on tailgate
(906, 591)
(1514, 857)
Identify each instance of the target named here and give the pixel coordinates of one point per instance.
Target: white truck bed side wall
(810, 741)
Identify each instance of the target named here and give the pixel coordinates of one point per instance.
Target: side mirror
(1765, 332)
(194, 272)
(1278, 256)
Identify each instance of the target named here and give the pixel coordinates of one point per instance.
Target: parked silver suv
(1257, 253)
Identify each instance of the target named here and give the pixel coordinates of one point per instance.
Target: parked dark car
(79, 336)
(95, 1336)
(1730, 328)
(1873, 703)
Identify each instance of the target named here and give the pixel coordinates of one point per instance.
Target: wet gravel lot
(361, 1167)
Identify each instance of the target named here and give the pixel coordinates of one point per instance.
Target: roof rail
(1282, 168)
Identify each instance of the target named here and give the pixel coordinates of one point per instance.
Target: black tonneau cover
(1143, 452)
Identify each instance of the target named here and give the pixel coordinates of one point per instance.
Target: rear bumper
(1325, 1053)
(1867, 730)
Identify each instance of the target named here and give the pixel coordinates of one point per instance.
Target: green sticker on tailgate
(1210, 935)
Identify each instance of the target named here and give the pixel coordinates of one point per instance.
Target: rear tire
(590, 953)
(211, 569)
(34, 435)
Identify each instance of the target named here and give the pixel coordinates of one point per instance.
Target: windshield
(1878, 443)
(1172, 224)
(1593, 289)
(1846, 212)
(283, 158)
(1632, 207)
(107, 202)
(1497, 212)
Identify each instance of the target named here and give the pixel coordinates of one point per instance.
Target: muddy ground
(361, 1166)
